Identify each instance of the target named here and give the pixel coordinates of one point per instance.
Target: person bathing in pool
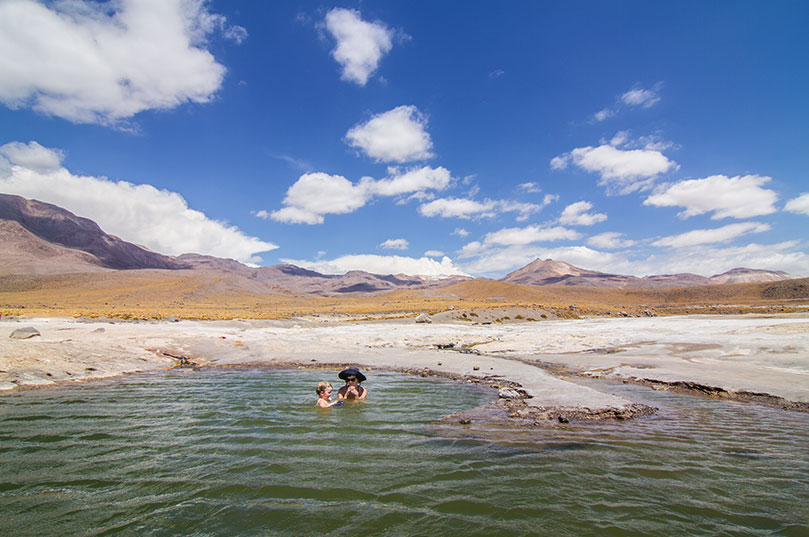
(323, 391)
(352, 389)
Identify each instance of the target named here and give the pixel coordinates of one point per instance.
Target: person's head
(324, 389)
(352, 376)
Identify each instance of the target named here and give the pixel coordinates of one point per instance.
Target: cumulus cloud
(576, 214)
(645, 98)
(398, 135)
(379, 264)
(711, 260)
(314, 195)
(799, 205)
(395, 244)
(528, 235)
(468, 208)
(33, 156)
(360, 45)
(459, 231)
(707, 236)
(104, 62)
(610, 240)
(158, 219)
(412, 180)
(434, 253)
(621, 171)
(735, 197)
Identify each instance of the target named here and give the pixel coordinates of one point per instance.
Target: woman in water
(352, 388)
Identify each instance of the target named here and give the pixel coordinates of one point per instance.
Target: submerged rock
(25, 333)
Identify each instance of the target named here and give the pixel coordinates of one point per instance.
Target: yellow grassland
(195, 295)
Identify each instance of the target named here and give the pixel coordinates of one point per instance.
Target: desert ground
(754, 357)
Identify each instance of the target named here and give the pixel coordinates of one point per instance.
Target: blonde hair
(321, 387)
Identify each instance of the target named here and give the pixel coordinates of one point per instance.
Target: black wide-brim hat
(351, 372)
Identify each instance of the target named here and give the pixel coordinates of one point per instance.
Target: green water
(246, 453)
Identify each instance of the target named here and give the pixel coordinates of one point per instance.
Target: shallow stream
(245, 452)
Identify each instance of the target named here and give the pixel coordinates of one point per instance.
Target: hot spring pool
(245, 452)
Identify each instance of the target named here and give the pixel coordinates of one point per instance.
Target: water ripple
(246, 453)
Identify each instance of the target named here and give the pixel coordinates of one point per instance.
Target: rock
(464, 421)
(476, 368)
(99, 330)
(424, 318)
(512, 393)
(649, 313)
(25, 333)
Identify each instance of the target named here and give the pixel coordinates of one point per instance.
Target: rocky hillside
(550, 272)
(62, 242)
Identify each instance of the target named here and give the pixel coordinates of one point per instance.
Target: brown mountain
(300, 280)
(746, 275)
(68, 237)
(40, 238)
(550, 272)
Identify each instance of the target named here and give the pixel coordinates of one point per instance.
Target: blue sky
(419, 137)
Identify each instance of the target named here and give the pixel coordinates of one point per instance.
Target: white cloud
(798, 205)
(516, 236)
(104, 62)
(412, 180)
(707, 236)
(603, 114)
(378, 264)
(468, 208)
(395, 244)
(461, 232)
(314, 195)
(708, 260)
(434, 253)
(576, 214)
(560, 162)
(360, 44)
(735, 197)
(236, 33)
(529, 187)
(609, 241)
(398, 135)
(33, 156)
(458, 208)
(158, 219)
(645, 98)
(621, 171)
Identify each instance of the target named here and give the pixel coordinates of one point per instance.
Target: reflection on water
(247, 453)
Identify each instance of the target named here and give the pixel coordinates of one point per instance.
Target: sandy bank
(756, 354)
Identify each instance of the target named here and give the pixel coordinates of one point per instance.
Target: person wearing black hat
(352, 389)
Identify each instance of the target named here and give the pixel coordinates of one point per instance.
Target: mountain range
(40, 238)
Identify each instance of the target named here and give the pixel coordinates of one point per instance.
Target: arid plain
(738, 341)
